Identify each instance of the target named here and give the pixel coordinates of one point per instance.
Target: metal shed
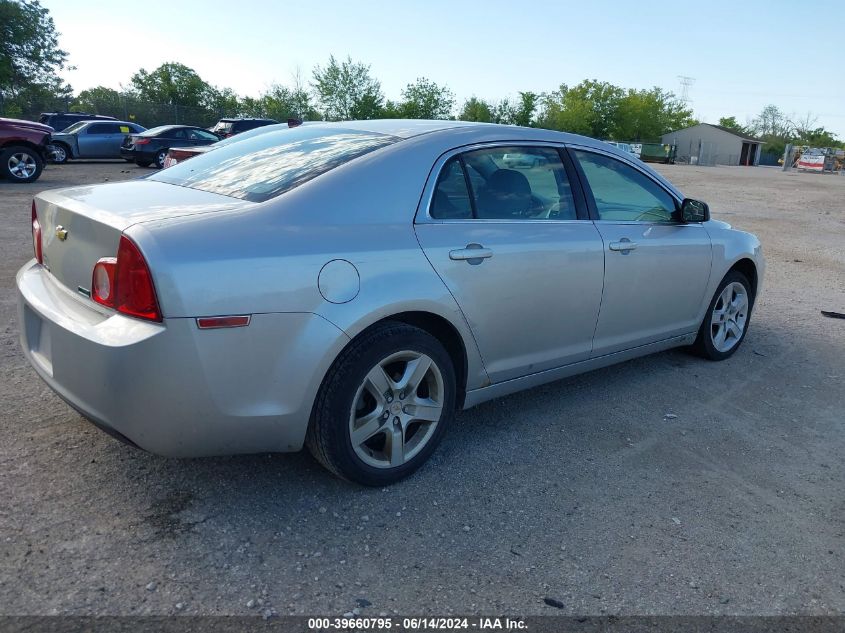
(707, 144)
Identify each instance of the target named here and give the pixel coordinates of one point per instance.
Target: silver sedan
(348, 286)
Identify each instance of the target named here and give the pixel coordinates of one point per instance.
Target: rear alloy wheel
(160, 156)
(21, 164)
(726, 322)
(384, 405)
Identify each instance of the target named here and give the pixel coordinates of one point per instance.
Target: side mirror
(694, 211)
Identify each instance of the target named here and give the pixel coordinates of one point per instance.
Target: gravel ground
(584, 491)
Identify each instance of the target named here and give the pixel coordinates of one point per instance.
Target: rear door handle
(472, 254)
(623, 245)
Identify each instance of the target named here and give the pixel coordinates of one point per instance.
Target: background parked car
(151, 147)
(92, 139)
(23, 149)
(179, 154)
(225, 128)
(59, 121)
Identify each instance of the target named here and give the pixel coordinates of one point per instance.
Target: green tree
(645, 115)
(523, 113)
(731, 123)
(424, 99)
(476, 109)
(588, 108)
(282, 103)
(172, 83)
(772, 123)
(99, 100)
(346, 90)
(30, 58)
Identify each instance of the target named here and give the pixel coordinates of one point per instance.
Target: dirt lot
(582, 491)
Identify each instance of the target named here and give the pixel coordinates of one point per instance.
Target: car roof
(162, 128)
(246, 118)
(469, 130)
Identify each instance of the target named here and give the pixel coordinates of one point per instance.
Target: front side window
(622, 193)
(504, 183)
(267, 165)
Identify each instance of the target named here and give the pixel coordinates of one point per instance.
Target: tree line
(343, 89)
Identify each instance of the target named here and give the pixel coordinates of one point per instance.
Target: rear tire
(20, 164)
(160, 156)
(383, 406)
(143, 163)
(727, 319)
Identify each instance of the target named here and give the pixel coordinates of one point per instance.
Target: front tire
(727, 318)
(61, 153)
(21, 164)
(383, 406)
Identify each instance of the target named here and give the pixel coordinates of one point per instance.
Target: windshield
(267, 165)
(73, 128)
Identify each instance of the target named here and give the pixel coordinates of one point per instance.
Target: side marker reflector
(211, 323)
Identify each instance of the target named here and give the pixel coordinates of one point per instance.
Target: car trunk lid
(82, 224)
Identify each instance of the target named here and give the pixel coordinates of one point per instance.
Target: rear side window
(200, 135)
(262, 167)
(622, 193)
(504, 183)
(451, 196)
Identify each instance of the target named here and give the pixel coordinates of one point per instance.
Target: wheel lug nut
(401, 395)
(390, 398)
(396, 421)
(385, 415)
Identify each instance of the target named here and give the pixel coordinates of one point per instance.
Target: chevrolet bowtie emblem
(61, 232)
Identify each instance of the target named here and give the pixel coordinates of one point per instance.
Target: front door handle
(624, 245)
(472, 254)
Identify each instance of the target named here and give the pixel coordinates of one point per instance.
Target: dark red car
(23, 149)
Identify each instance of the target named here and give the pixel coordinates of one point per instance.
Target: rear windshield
(222, 126)
(267, 165)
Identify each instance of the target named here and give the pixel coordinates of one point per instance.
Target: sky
(742, 55)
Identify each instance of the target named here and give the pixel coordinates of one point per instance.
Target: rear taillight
(37, 245)
(102, 281)
(142, 141)
(125, 283)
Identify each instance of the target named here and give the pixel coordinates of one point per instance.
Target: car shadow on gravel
(577, 421)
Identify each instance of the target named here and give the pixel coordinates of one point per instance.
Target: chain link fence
(126, 108)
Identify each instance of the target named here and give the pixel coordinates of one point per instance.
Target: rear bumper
(135, 154)
(169, 387)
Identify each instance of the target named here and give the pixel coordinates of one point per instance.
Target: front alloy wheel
(727, 318)
(20, 164)
(384, 405)
(730, 314)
